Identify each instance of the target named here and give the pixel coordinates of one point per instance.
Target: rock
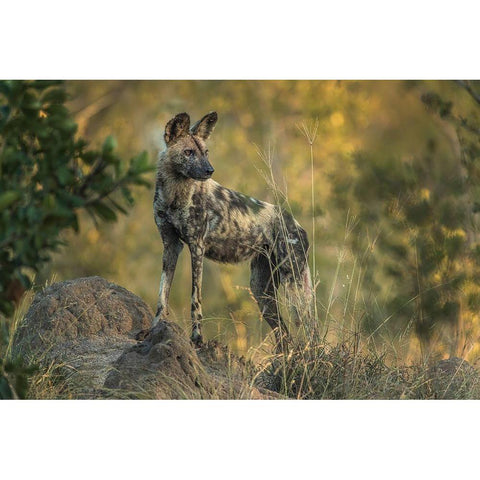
(165, 365)
(82, 334)
(82, 326)
(454, 378)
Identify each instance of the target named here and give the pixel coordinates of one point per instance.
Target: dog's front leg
(172, 246)
(197, 252)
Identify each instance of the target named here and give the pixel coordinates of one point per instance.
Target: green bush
(47, 176)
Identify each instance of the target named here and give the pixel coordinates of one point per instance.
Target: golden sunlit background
(389, 189)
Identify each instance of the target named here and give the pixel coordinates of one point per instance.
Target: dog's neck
(174, 190)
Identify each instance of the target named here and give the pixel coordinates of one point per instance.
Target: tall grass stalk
(310, 133)
(332, 358)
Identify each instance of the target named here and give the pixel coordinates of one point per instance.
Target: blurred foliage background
(48, 176)
(395, 201)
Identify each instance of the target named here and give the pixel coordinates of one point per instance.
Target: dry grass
(349, 371)
(329, 356)
(311, 368)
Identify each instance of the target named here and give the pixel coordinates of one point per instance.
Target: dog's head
(186, 149)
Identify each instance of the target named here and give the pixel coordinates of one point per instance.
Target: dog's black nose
(210, 170)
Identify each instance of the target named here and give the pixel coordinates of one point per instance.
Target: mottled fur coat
(222, 225)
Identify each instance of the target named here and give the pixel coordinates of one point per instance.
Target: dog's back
(237, 226)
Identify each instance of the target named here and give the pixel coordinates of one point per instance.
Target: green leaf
(75, 224)
(6, 87)
(4, 113)
(43, 84)
(54, 95)
(104, 212)
(109, 144)
(30, 101)
(69, 126)
(127, 194)
(64, 175)
(9, 197)
(118, 206)
(140, 163)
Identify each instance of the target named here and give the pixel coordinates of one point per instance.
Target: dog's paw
(158, 317)
(142, 335)
(196, 338)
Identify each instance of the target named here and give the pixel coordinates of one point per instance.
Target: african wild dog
(218, 223)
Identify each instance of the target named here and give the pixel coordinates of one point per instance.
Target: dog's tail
(291, 252)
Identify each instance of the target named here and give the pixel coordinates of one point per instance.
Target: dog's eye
(188, 153)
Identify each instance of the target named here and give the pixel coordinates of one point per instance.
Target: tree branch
(85, 113)
(98, 168)
(107, 193)
(466, 85)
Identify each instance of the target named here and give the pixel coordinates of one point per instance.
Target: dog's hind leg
(264, 283)
(197, 252)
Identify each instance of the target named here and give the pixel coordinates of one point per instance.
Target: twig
(467, 86)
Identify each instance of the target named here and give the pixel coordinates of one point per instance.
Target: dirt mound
(165, 365)
(78, 328)
(84, 331)
(81, 308)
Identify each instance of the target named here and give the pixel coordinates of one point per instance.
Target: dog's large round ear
(204, 127)
(176, 127)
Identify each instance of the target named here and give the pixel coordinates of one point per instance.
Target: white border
(238, 40)
(238, 439)
(251, 39)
